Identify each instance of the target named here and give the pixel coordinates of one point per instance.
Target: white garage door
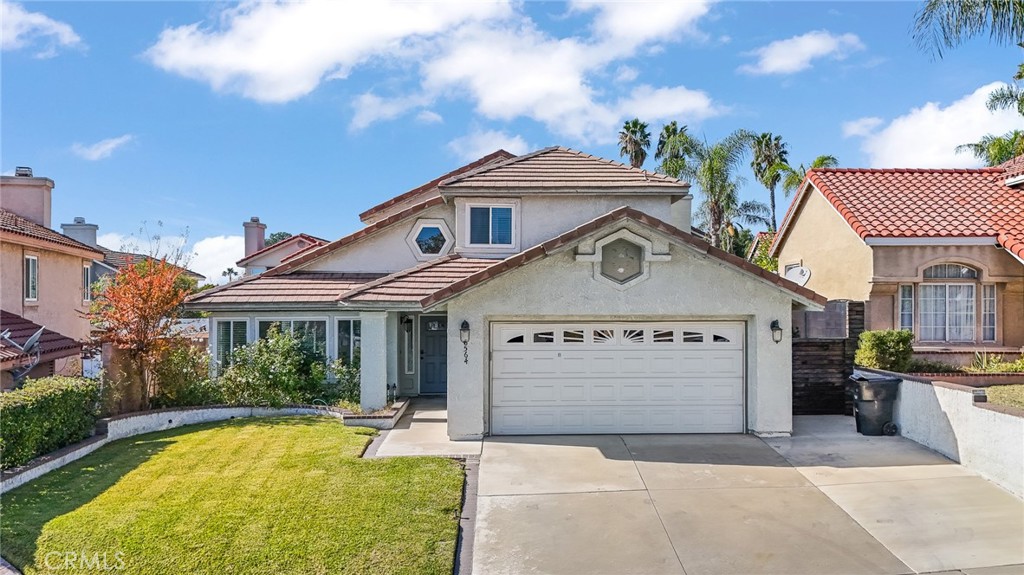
(661, 377)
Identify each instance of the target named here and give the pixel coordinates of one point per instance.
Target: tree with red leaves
(137, 310)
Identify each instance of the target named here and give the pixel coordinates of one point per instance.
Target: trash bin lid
(860, 376)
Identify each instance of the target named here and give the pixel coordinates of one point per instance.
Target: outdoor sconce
(464, 338)
(407, 324)
(776, 331)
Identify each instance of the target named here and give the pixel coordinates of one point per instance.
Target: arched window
(947, 301)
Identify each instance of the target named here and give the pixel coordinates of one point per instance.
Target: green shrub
(182, 378)
(45, 415)
(887, 349)
(273, 371)
(928, 366)
(344, 388)
(990, 363)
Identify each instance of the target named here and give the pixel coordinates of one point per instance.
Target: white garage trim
(617, 377)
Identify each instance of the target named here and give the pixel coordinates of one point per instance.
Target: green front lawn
(282, 495)
(1011, 395)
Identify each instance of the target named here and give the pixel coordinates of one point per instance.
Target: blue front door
(433, 354)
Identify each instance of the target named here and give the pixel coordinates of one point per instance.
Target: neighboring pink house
(45, 281)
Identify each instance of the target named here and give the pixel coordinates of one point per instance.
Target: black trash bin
(873, 400)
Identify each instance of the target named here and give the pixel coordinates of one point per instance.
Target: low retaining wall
(987, 439)
(131, 424)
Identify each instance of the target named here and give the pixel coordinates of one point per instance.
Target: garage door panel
(655, 377)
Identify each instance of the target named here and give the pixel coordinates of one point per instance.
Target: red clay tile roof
(416, 283)
(298, 287)
(1014, 166)
(421, 193)
(371, 229)
(13, 223)
(313, 241)
(572, 236)
(921, 203)
(559, 168)
(52, 344)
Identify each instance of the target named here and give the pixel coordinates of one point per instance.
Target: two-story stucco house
(45, 279)
(554, 292)
(937, 252)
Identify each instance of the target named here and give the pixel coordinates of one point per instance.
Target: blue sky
(202, 114)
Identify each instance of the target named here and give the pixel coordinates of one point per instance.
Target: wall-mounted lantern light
(776, 331)
(464, 338)
(407, 323)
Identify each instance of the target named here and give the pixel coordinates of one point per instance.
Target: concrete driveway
(716, 504)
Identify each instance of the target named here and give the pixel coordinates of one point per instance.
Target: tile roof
(51, 343)
(421, 193)
(416, 283)
(573, 236)
(13, 223)
(298, 287)
(559, 168)
(117, 260)
(320, 251)
(921, 203)
(312, 241)
(1014, 166)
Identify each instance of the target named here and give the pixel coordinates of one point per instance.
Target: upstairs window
(31, 278)
(86, 283)
(490, 225)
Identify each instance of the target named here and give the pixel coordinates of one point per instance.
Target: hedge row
(45, 415)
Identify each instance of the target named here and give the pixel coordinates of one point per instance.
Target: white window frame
(985, 288)
(440, 224)
(337, 336)
(974, 286)
(468, 233)
(87, 282)
(215, 335)
(291, 319)
(30, 278)
(900, 300)
(409, 343)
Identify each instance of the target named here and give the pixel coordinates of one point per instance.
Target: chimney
(81, 231)
(27, 196)
(681, 213)
(255, 235)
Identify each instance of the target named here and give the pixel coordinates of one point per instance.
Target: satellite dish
(799, 275)
(31, 343)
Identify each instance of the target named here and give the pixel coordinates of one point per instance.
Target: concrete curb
(467, 520)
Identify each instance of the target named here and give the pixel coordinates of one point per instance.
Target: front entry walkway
(423, 430)
(719, 504)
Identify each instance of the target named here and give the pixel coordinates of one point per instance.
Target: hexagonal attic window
(431, 240)
(622, 261)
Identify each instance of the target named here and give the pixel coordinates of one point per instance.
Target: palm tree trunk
(771, 204)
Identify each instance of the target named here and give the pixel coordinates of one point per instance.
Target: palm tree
(229, 273)
(1010, 96)
(792, 178)
(942, 24)
(634, 141)
(712, 168)
(669, 151)
(769, 150)
(994, 150)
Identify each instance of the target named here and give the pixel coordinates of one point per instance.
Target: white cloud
(626, 74)
(795, 54)
(861, 127)
(490, 54)
(102, 149)
(478, 144)
(679, 103)
(215, 254)
(21, 28)
(276, 52)
(429, 117)
(113, 240)
(927, 137)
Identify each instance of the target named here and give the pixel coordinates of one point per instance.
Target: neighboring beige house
(554, 292)
(937, 252)
(45, 276)
(259, 257)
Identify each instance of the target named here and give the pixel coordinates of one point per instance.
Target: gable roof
(1014, 167)
(919, 203)
(558, 168)
(420, 193)
(295, 288)
(418, 282)
(12, 223)
(572, 236)
(313, 240)
(51, 344)
(320, 251)
(118, 259)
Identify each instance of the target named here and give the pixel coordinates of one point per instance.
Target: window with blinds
(231, 334)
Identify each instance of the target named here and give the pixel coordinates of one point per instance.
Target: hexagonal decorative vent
(622, 261)
(430, 240)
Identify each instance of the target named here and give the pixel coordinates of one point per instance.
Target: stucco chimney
(682, 214)
(81, 231)
(27, 196)
(255, 235)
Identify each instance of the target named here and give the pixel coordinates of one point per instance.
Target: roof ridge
(70, 239)
(399, 274)
(495, 165)
(265, 249)
(983, 170)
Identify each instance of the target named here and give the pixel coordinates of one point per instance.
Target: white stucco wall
(689, 287)
(945, 418)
